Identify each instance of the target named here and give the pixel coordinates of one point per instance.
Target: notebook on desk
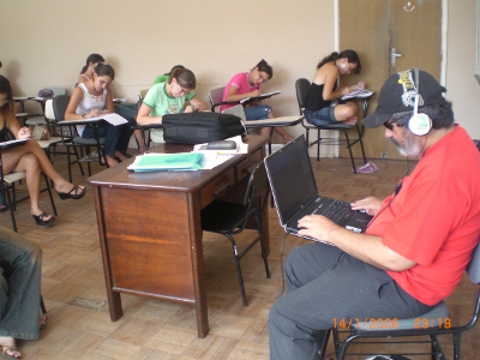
(295, 191)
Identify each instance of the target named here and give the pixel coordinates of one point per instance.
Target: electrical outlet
(384, 154)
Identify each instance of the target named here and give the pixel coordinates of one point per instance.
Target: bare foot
(351, 121)
(7, 345)
(42, 322)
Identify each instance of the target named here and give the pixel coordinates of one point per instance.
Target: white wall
(45, 43)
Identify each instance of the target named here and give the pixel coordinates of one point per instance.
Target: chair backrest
(60, 104)
(237, 110)
(473, 269)
(216, 96)
(302, 87)
(49, 114)
(257, 185)
(142, 94)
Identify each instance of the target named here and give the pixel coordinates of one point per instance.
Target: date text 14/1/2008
(387, 323)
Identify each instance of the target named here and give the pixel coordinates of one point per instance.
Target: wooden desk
(150, 230)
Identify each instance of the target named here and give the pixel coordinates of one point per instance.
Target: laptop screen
(291, 178)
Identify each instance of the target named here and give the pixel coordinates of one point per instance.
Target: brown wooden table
(150, 231)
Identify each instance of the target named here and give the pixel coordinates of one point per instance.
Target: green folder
(167, 162)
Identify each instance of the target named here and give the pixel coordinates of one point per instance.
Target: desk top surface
(278, 121)
(186, 181)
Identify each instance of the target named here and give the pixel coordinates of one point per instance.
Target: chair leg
(262, 244)
(49, 190)
(8, 201)
(319, 138)
(349, 146)
(456, 346)
(360, 136)
(42, 306)
(239, 269)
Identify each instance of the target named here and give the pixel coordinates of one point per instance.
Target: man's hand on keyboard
(370, 205)
(318, 227)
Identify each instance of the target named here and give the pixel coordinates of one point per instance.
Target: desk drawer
(246, 166)
(217, 188)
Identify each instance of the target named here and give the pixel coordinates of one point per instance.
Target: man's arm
(367, 248)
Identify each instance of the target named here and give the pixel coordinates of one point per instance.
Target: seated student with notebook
(415, 249)
(321, 108)
(126, 110)
(94, 98)
(247, 84)
(172, 97)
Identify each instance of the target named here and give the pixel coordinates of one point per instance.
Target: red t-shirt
(434, 219)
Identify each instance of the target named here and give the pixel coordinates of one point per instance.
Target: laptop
(295, 191)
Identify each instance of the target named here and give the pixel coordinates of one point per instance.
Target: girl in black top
(320, 108)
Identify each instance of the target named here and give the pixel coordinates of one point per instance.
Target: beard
(410, 147)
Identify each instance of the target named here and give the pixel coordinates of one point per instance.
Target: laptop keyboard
(339, 212)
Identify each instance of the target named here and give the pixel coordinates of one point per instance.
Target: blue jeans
(324, 116)
(116, 137)
(259, 112)
(20, 264)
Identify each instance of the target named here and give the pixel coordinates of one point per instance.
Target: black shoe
(72, 194)
(39, 219)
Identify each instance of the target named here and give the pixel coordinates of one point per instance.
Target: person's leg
(124, 135)
(11, 158)
(20, 311)
(281, 131)
(129, 112)
(324, 116)
(29, 164)
(110, 142)
(347, 112)
(327, 288)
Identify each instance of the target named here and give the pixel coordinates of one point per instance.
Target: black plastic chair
(71, 139)
(302, 87)
(427, 325)
(229, 219)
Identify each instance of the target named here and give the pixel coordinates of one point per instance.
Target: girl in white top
(126, 110)
(94, 98)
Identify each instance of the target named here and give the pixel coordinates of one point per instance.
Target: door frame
(443, 60)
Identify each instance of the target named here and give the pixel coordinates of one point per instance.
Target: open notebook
(295, 191)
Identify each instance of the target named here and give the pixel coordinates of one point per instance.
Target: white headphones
(419, 124)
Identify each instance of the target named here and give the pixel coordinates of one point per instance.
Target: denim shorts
(259, 112)
(324, 116)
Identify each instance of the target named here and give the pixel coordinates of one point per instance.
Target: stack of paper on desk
(167, 162)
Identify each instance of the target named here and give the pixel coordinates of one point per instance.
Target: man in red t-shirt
(416, 247)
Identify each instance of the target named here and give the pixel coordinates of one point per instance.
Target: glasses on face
(262, 78)
(182, 90)
(389, 124)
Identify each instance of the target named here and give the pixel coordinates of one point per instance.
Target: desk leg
(114, 299)
(196, 239)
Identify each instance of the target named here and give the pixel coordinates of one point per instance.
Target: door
(389, 36)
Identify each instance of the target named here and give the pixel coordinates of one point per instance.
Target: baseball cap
(398, 95)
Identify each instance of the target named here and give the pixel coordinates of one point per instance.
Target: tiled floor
(74, 292)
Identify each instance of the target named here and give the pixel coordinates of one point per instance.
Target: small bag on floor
(200, 127)
(40, 132)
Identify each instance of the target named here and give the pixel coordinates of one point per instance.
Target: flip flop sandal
(368, 168)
